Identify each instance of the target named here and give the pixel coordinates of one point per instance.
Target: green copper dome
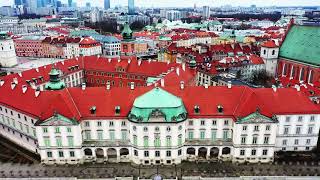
(55, 83)
(158, 105)
(127, 32)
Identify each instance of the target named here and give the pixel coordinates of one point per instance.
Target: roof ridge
(76, 107)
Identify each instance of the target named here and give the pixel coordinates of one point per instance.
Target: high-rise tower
(70, 3)
(131, 6)
(106, 4)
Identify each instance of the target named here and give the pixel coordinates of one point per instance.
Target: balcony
(102, 143)
(209, 142)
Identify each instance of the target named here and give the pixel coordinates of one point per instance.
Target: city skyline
(190, 3)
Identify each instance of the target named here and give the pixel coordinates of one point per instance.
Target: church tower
(270, 52)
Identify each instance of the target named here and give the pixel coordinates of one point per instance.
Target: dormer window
(93, 110)
(117, 109)
(196, 109)
(220, 109)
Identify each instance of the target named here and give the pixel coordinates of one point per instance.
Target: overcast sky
(190, 3)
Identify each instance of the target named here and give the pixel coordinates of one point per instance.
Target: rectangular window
(190, 134)
(242, 152)
(112, 135)
(70, 141)
(87, 124)
(157, 142)
(168, 153)
(298, 129)
(253, 152)
(111, 123)
(202, 123)
(244, 128)
(146, 141)
(284, 142)
(190, 123)
(286, 130)
(61, 154)
(296, 141)
(264, 152)
(213, 135)
(87, 135)
(179, 152)
(57, 130)
(100, 134)
(168, 141)
(266, 140)
(146, 153)
(135, 140)
(226, 122)
(179, 140)
(123, 135)
(256, 128)
(58, 141)
(46, 141)
(254, 140)
(72, 154)
(49, 154)
(310, 129)
(300, 119)
(311, 118)
(243, 140)
(308, 141)
(225, 134)
(69, 130)
(99, 123)
(214, 122)
(123, 123)
(288, 119)
(268, 128)
(202, 134)
(157, 153)
(45, 130)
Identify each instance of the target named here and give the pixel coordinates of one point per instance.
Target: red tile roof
(269, 44)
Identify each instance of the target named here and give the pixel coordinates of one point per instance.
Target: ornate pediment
(256, 117)
(58, 120)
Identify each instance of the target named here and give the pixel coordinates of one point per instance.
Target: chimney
(229, 85)
(132, 85)
(83, 86)
(13, 85)
(20, 74)
(62, 62)
(184, 66)
(15, 80)
(162, 82)
(139, 62)
(129, 61)
(109, 60)
(178, 71)
(24, 88)
(1, 82)
(108, 86)
(37, 69)
(206, 86)
(149, 60)
(37, 92)
(181, 85)
(274, 88)
(298, 88)
(119, 59)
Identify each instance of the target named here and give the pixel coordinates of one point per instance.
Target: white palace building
(151, 124)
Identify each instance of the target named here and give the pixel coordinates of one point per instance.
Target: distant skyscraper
(70, 3)
(19, 2)
(206, 12)
(131, 6)
(106, 4)
(88, 4)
